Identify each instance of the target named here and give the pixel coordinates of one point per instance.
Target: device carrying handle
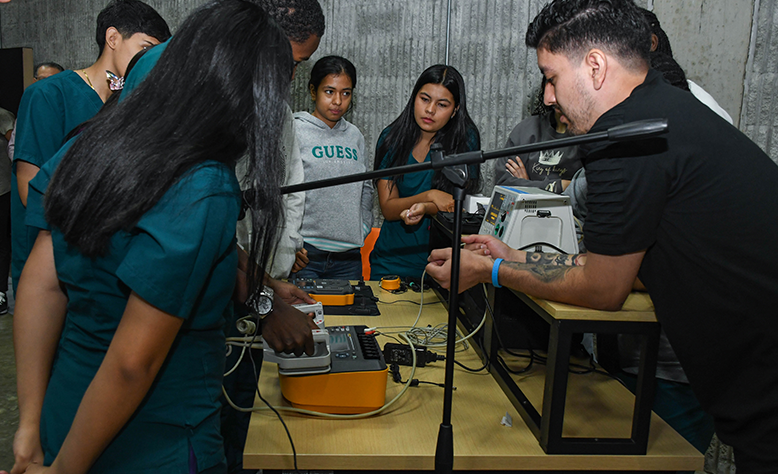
(319, 362)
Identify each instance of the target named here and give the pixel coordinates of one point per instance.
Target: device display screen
(494, 208)
(343, 344)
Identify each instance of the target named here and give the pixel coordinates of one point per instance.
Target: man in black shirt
(691, 213)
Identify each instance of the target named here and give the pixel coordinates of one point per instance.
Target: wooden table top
(637, 307)
(404, 437)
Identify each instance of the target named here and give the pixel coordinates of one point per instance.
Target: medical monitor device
(531, 219)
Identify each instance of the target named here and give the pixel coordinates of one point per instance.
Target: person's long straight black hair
(457, 136)
(217, 93)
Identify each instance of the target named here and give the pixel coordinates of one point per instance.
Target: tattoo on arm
(557, 259)
(542, 271)
(548, 267)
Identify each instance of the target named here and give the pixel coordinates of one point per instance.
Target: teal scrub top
(181, 258)
(401, 249)
(142, 68)
(49, 110)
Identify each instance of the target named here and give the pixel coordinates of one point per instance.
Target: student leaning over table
(303, 23)
(142, 239)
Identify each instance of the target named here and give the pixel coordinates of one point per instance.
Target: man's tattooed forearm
(542, 271)
(541, 258)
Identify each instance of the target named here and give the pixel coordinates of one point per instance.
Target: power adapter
(401, 354)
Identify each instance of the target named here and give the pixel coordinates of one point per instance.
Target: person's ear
(654, 42)
(313, 92)
(596, 62)
(455, 112)
(112, 37)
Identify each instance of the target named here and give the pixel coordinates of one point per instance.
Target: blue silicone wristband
(496, 273)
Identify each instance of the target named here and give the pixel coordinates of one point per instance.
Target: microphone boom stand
(627, 132)
(458, 176)
(455, 169)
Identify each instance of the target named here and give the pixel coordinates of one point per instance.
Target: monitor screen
(494, 207)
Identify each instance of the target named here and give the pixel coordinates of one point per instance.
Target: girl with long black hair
(122, 305)
(435, 113)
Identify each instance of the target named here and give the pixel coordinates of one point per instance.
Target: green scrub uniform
(234, 425)
(401, 249)
(181, 258)
(49, 110)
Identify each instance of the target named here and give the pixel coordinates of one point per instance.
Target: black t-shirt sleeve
(626, 197)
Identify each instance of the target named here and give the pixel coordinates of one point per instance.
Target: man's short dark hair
(300, 19)
(46, 64)
(130, 17)
(572, 27)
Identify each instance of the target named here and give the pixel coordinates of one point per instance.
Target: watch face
(264, 304)
(261, 302)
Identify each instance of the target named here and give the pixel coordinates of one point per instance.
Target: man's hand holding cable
(491, 246)
(474, 268)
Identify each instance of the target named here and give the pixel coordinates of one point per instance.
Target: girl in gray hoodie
(337, 219)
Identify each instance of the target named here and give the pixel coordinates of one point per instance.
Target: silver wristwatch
(262, 303)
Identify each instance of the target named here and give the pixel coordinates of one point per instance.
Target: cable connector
(401, 354)
(394, 369)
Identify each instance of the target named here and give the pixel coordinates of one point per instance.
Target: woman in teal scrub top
(122, 306)
(436, 113)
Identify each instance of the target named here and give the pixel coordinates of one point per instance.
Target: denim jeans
(331, 265)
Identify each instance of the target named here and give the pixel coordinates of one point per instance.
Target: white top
(708, 100)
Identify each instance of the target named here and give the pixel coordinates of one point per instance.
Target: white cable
(421, 301)
(478, 328)
(436, 331)
(240, 358)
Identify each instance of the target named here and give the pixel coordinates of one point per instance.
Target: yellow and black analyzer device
(346, 374)
(327, 292)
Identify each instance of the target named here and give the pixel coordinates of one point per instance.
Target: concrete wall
(63, 31)
(710, 40)
(392, 41)
(759, 115)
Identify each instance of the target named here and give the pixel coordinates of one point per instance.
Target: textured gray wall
(392, 41)
(710, 40)
(759, 116)
(63, 31)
